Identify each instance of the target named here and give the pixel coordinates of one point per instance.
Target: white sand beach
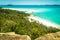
(38, 19)
(43, 21)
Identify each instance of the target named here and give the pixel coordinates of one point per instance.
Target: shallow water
(50, 13)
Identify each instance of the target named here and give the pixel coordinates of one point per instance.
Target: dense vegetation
(16, 21)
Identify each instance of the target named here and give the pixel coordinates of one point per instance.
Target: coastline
(38, 19)
(43, 21)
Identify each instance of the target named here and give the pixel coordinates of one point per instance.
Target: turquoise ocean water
(50, 13)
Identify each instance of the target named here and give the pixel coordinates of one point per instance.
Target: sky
(30, 2)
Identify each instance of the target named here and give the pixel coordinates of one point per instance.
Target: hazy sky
(29, 2)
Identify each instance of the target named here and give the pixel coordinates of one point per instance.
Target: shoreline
(43, 21)
(38, 19)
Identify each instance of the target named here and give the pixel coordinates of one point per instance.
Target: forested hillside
(17, 21)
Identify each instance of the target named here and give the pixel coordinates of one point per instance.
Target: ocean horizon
(47, 12)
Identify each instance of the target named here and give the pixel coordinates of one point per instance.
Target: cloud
(29, 2)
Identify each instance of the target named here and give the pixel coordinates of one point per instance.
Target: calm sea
(50, 13)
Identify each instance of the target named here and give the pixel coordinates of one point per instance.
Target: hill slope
(17, 21)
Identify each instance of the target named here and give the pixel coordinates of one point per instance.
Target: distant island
(9, 5)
